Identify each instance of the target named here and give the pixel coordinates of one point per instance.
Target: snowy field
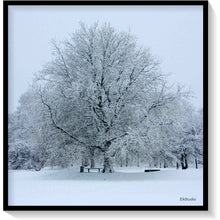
(127, 186)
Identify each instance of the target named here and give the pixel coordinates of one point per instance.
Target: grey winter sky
(173, 33)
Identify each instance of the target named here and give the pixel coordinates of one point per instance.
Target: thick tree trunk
(108, 163)
(184, 162)
(108, 166)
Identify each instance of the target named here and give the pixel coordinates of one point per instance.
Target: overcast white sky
(174, 34)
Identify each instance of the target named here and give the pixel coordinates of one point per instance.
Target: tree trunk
(196, 162)
(108, 166)
(155, 161)
(121, 162)
(126, 160)
(184, 162)
(84, 157)
(177, 165)
(84, 162)
(108, 163)
(138, 160)
(92, 161)
(164, 164)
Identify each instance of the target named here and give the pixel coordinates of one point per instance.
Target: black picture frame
(204, 207)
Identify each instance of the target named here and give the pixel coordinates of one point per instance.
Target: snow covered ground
(127, 186)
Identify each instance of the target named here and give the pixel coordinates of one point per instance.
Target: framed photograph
(105, 105)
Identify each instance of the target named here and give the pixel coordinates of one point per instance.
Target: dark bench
(89, 168)
(153, 170)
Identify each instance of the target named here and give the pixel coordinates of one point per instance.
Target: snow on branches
(102, 97)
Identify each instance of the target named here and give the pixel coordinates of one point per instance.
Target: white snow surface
(127, 186)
